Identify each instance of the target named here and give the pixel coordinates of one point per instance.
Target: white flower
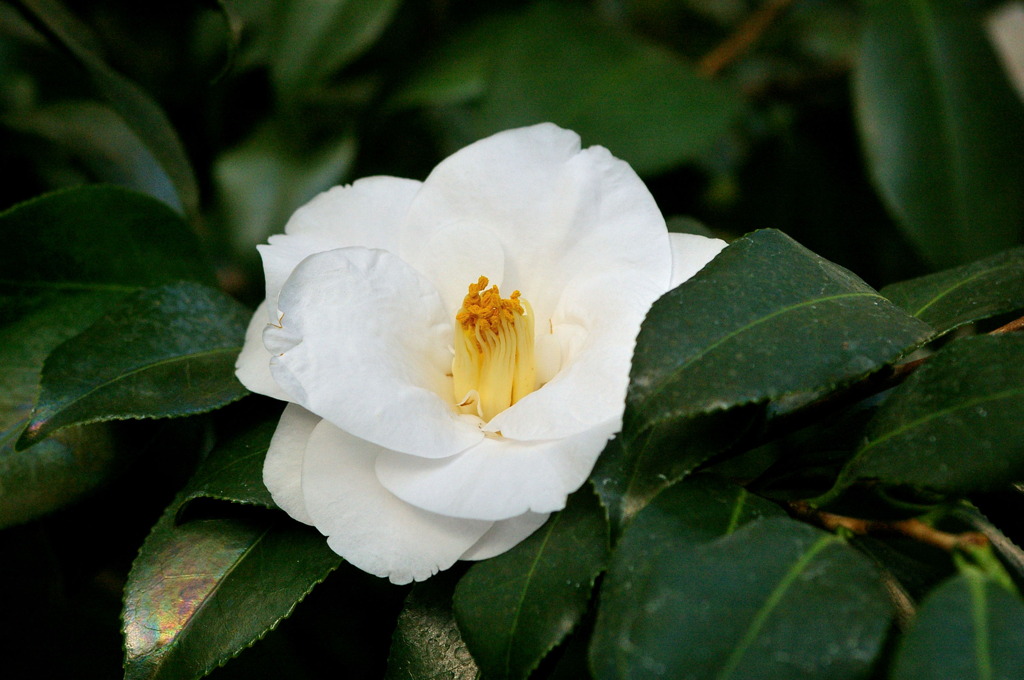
(432, 419)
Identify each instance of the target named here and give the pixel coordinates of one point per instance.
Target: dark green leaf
(765, 319)
(200, 593)
(513, 609)
(164, 352)
(233, 471)
(317, 38)
(694, 511)
(426, 644)
(954, 426)
(557, 63)
(631, 472)
(95, 137)
(67, 258)
(96, 238)
(774, 599)
(951, 298)
(943, 131)
(53, 473)
(140, 112)
(969, 627)
(266, 178)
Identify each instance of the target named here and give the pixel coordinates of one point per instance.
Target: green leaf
(694, 511)
(427, 644)
(201, 592)
(943, 131)
(233, 470)
(265, 179)
(318, 37)
(165, 352)
(762, 602)
(765, 319)
(979, 290)
(558, 63)
(969, 627)
(94, 136)
(138, 110)
(67, 258)
(515, 608)
(629, 473)
(954, 426)
(97, 239)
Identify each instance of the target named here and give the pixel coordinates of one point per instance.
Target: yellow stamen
(494, 365)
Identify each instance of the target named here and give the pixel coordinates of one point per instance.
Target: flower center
(494, 364)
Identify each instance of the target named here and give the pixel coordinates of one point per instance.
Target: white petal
(364, 344)
(253, 364)
(366, 524)
(498, 478)
(557, 212)
(690, 252)
(366, 213)
(505, 535)
(282, 468)
(459, 266)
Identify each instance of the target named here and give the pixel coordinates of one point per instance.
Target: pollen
(494, 364)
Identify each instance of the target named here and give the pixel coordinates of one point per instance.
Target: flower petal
(365, 523)
(690, 252)
(282, 468)
(459, 266)
(505, 535)
(498, 478)
(363, 343)
(556, 210)
(366, 213)
(253, 364)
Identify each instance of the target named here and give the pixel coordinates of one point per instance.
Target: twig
(911, 528)
(743, 39)
(1014, 325)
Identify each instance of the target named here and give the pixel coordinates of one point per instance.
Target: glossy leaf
(138, 110)
(165, 352)
(694, 511)
(953, 426)
(774, 599)
(943, 131)
(515, 608)
(99, 239)
(317, 38)
(233, 470)
(556, 63)
(951, 298)
(969, 627)
(67, 258)
(427, 644)
(630, 472)
(201, 592)
(765, 319)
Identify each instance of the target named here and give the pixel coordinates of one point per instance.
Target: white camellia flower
(432, 418)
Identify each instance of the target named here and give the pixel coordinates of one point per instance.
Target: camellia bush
(547, 339)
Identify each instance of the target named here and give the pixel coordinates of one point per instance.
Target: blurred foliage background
(739, 114)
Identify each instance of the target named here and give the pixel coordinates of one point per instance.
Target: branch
(1014, 325)
(743, 39)
(911, 528)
